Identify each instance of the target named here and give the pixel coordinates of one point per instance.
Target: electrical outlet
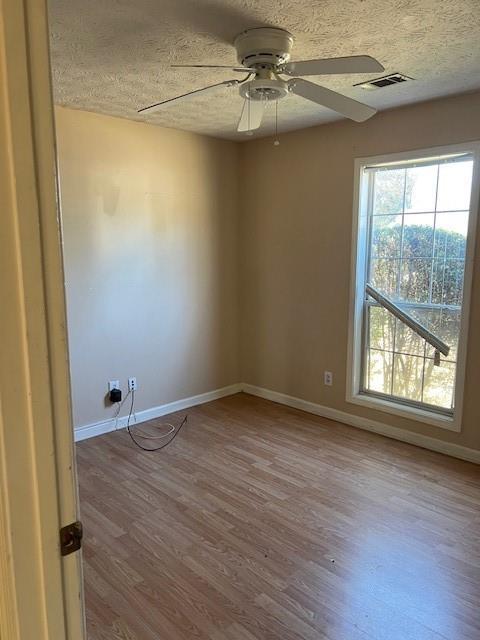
(132, 384)
(328, 378)
(113, 384)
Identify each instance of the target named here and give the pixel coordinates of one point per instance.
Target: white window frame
(357, 289)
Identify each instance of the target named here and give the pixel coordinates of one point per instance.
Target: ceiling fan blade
(336, 101)
(213, 66)
(252, 115)
(326, 66)
(159, 105)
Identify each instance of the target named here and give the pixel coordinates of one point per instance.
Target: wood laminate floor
(262, 522)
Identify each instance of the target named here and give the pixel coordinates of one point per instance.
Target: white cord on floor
(173, 432)
(141, 434)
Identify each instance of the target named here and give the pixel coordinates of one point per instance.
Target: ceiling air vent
(385, 81)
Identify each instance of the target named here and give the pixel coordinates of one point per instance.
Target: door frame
(42, 592)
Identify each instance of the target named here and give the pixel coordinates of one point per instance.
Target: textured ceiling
(113, 56)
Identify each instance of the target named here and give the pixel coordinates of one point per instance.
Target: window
(414, 246)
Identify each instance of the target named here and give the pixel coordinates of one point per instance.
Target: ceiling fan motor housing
(264, 46)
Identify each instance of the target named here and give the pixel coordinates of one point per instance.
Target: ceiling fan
(264, 53)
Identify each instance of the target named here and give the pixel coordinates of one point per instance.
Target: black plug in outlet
(115, 395)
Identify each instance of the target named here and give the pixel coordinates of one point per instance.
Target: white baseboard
(105, 426)
(426, 442)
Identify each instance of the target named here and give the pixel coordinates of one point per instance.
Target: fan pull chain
(276, 142)
(249, 132)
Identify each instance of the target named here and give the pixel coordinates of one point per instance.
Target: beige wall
(296, 253)
(150, 232)
(164, 251)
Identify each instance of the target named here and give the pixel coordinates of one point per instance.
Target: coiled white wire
(142, 434)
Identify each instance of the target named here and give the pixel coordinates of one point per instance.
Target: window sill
(404, 411)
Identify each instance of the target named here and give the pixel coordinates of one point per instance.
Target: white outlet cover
(113, 384)
(132, 384)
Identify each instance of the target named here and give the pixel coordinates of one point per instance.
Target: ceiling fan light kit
(265, 53)
(264, 88)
